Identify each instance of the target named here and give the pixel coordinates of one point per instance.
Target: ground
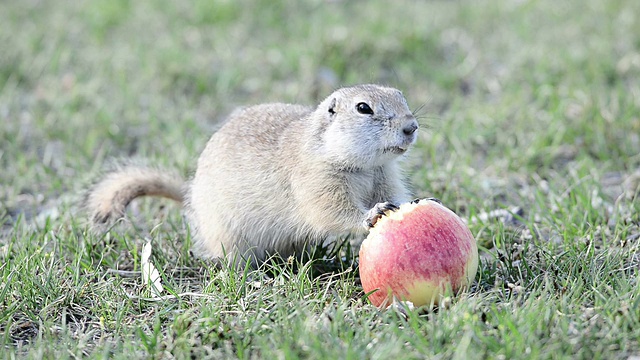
(529, 104)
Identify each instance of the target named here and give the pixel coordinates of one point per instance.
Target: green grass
(525, 103)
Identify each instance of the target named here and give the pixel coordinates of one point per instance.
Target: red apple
(418, 253)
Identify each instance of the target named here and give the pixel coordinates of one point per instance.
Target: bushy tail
(107, 199)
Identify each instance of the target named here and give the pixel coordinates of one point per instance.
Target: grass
(533, 104)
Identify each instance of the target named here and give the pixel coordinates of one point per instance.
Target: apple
(420, 253)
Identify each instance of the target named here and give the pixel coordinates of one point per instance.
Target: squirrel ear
(332, 107)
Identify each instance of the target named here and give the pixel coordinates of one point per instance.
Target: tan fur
(107, 199)
(276, 177)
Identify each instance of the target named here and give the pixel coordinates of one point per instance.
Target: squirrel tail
(108, 198)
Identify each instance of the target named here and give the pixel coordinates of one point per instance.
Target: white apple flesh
(420, 253)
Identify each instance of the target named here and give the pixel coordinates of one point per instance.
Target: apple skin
(419, 253)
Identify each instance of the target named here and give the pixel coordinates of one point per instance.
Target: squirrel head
(365, 126)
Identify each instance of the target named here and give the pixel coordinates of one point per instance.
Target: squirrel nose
(410, 128)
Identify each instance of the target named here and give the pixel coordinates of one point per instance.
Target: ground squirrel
(276, 177)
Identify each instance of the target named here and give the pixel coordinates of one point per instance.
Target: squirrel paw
(377, 212)
(430, 199)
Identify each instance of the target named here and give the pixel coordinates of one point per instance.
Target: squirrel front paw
(430, 199)
(377, 212)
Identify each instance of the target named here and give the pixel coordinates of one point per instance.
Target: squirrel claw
(378, 211)
(415, 201)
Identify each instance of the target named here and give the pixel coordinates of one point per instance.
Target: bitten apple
(418, 253)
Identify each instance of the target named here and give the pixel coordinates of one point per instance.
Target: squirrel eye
(363, 108)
